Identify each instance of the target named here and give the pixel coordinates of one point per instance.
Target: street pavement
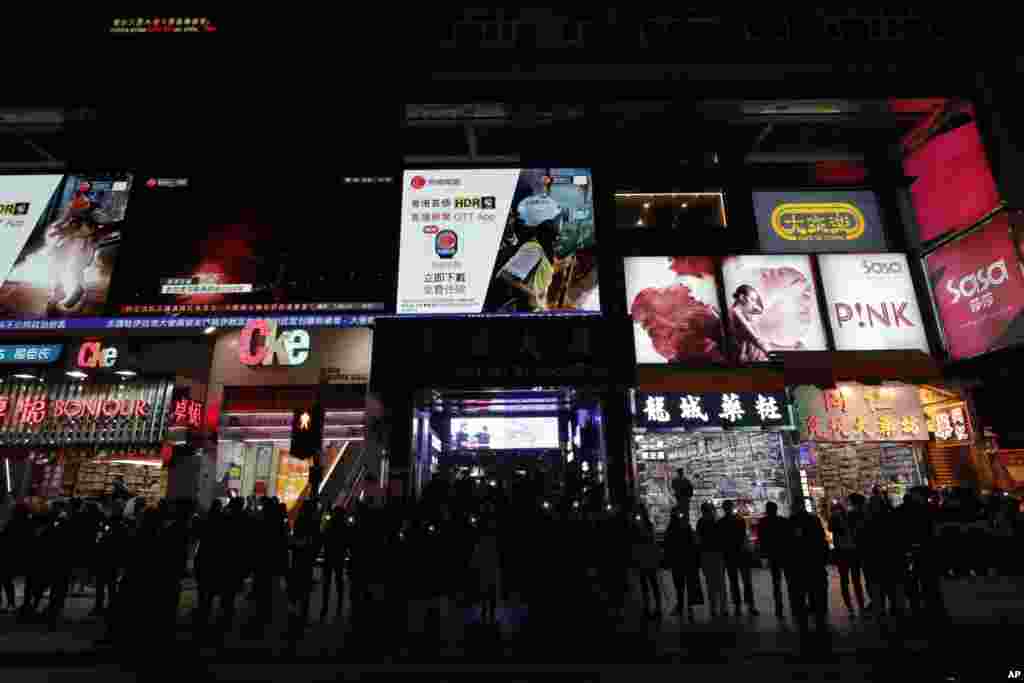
(981, 609)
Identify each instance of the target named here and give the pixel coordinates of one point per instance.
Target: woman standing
(712, 559)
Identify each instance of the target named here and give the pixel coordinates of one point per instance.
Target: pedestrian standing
(682, 488)
(336, 548)
(806, 574)
(712, 561)
(733, 535)
(846, 557)
(486, 563)
(772, 535)
(646, 561)
(682, 557)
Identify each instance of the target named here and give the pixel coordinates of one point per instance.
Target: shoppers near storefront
(772, 534)
(806, 576)
(683, 490)
(846, 558)
(683, 559)
(733, 534)
(712, 562)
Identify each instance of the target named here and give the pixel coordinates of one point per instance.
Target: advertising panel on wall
(978, 287)
(856, 413)
(216, 244)
(813, 221)
(497, 241)
(773, 306)
(871, 302)
(673, 302)
(61, 237)
(502, 433)
(953, 187)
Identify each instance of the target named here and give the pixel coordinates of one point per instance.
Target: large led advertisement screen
(814, 221)
(871, 302)
(978, 287)
(773, 306)
(59, 241)
(504, 433)
(497, 241)
(673, 302)
(218, 243)
(953, 187)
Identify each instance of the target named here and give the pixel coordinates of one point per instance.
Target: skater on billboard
(71, 246)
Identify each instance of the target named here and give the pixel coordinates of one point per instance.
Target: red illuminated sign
(33, 411)
(188, 413)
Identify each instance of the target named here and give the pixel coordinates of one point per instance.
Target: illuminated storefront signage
(819, 220)
(260, 344)
(854, 412)
(33, 413)
(188, 413)
(30, 354)
(950, 424)
(667, 411)
(93, 355)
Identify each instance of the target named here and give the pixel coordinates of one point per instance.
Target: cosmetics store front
(79, 416)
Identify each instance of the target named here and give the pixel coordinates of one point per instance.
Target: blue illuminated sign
(173, 323)
(30, 354)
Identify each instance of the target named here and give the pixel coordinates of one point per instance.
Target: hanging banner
(817, 221)
(854, 412)
(667, 411)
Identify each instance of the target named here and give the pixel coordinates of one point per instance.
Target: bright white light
(647, 205)
(126, 373)
(24, 375)
(210, 330)
(77, 374)
(141, 463)
(7, 470)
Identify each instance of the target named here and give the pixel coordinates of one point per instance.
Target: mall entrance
(539, 445)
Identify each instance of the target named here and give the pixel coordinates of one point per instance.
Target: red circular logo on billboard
(447, 241)
(151, 183)
(419, 182)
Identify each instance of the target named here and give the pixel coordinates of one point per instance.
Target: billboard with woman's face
(772, 306)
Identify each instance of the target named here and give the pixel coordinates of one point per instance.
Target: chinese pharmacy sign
(712, 410)
(32, 413)
(854, 412)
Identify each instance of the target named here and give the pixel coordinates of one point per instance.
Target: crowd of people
(568, 561)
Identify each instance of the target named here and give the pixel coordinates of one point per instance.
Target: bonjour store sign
(34, 414)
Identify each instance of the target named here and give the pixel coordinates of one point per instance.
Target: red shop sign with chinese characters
(854, 412)
(188, 413)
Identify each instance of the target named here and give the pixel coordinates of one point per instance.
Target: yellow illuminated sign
(802, 222)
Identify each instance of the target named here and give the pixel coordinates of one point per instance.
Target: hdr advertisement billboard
(673, 302)
(871, 302)
(978, 287)
(814, 221)
(59, 240)
(497, 241)
(772, 306)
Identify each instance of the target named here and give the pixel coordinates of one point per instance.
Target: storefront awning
(826, 368)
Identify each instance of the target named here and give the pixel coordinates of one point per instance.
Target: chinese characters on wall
(854, 412)
(949, 424)
(712, 410)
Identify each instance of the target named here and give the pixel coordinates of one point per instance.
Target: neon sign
(32, 411)
(93, 355)
(260, 344)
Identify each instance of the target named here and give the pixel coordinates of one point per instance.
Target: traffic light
(307, 431)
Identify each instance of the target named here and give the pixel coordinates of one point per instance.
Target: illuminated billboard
(819, 221)
(773, 306)
(871, 302)
(497, 241)
(217, 244)
(978, 287)
(59, 241)
(673, 302)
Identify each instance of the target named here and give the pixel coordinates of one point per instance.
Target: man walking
(683, 490)
(806, 557)
(737, 558)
